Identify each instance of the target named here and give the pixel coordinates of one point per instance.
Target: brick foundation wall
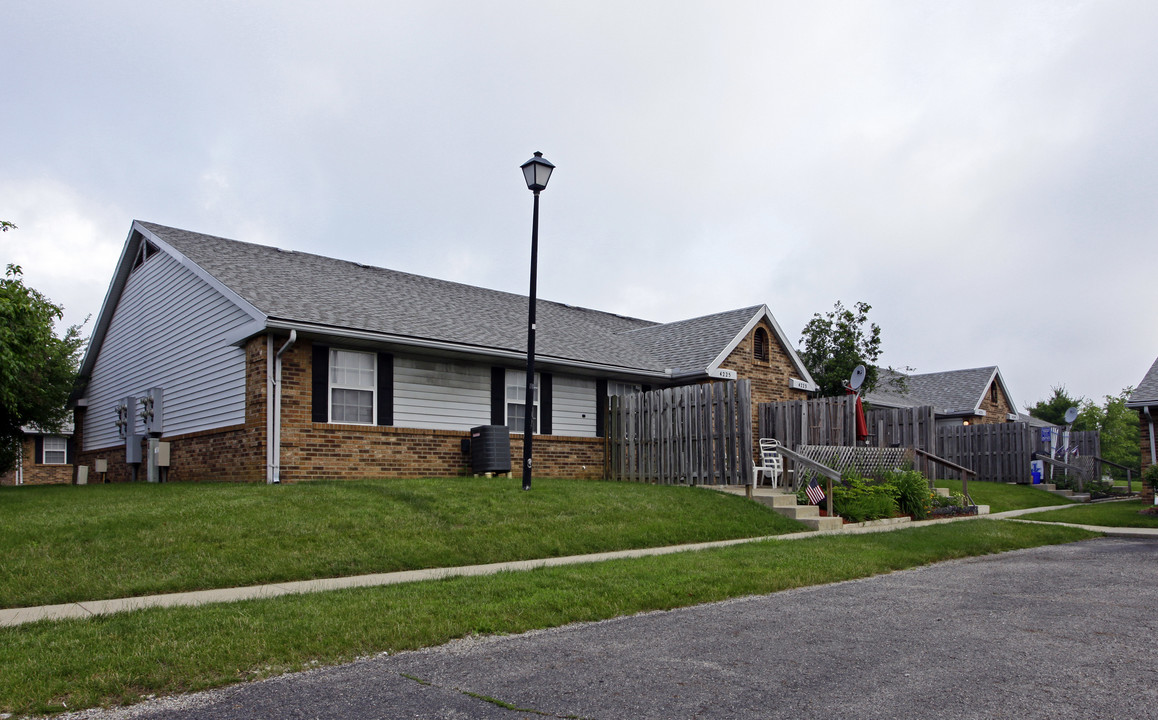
(332, 451)
(769, 377)
(36, 474)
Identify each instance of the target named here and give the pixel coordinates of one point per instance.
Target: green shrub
(873, 506)
(1150, 477)
(911, 491)
(858, 499)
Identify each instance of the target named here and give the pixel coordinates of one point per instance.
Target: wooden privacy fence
(820, 421)
(903, 427)
(1001, 452)
(832, 421)
(697, 434)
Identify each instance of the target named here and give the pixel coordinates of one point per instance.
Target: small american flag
(815, 494)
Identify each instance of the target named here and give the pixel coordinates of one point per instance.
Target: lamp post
(537, 172)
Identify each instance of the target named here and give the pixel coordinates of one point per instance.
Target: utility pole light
(537, 172)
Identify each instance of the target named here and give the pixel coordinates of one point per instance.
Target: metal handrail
(818, 467)
(965, 472)
(1065, 466)
(1129, 472)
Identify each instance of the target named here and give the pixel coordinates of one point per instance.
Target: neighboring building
(1034, 421)
(1144, 399)
(45, 459)
(382, 373)
(958, 397)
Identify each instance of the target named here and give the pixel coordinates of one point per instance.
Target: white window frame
(62, 450)
(521, 384)
(335, 354)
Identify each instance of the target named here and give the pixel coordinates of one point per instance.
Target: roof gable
(1147, 391)
(953, 392)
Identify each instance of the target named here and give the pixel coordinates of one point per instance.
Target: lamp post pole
(528, 422)
(536, 171)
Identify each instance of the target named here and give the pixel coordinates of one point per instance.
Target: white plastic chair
(771, 463)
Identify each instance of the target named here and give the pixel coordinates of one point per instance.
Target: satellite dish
(1071, 415)
(857, 379)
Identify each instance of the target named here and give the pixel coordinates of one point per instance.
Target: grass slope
(66, 544)
(1108, 514)
(122, 658)
(1001, 497)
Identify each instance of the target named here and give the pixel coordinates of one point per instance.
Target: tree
(833, 344)
(1117, 427)
(37, 368)
(1053, 409)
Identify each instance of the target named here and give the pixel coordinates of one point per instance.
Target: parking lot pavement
(1065, 631)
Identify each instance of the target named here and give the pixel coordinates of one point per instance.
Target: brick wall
(329, 450)
(769, 377)
(996, 412)
(35, 473)
(1147, 460)
(313, 451)
(235, 453)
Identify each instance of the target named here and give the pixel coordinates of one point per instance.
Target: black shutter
(39, 458)
(601, 407)
(385, 389)
(498, 396)
(321, 384)
(545, 387)
(69, 448)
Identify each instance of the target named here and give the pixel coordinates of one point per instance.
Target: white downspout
(276, 442)
(269, 393)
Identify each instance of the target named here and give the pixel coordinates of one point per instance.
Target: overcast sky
(984, 174)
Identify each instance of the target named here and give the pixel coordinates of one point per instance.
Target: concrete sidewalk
(88, 608)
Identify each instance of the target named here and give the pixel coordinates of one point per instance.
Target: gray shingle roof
(1147, 391)
(953, 391)
(305, 288)
(692, 345)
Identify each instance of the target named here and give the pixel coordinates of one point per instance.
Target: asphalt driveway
(1066, 631)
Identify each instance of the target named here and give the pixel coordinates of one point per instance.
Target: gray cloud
(981, 173)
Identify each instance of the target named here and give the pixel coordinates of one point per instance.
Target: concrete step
(775, 500)
(1080, 497)
(798, 512)
(824, 524)
(1048, 487)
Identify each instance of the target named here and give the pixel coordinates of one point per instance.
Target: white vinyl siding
(169, 330)
(440, 395)
(573, 406)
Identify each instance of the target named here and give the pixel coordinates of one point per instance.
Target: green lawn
(70, 543)
(1001, 497)
(122, 658)
(1105, 514)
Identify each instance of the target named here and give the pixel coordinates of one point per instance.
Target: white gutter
(466, 350)
(274, 477)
